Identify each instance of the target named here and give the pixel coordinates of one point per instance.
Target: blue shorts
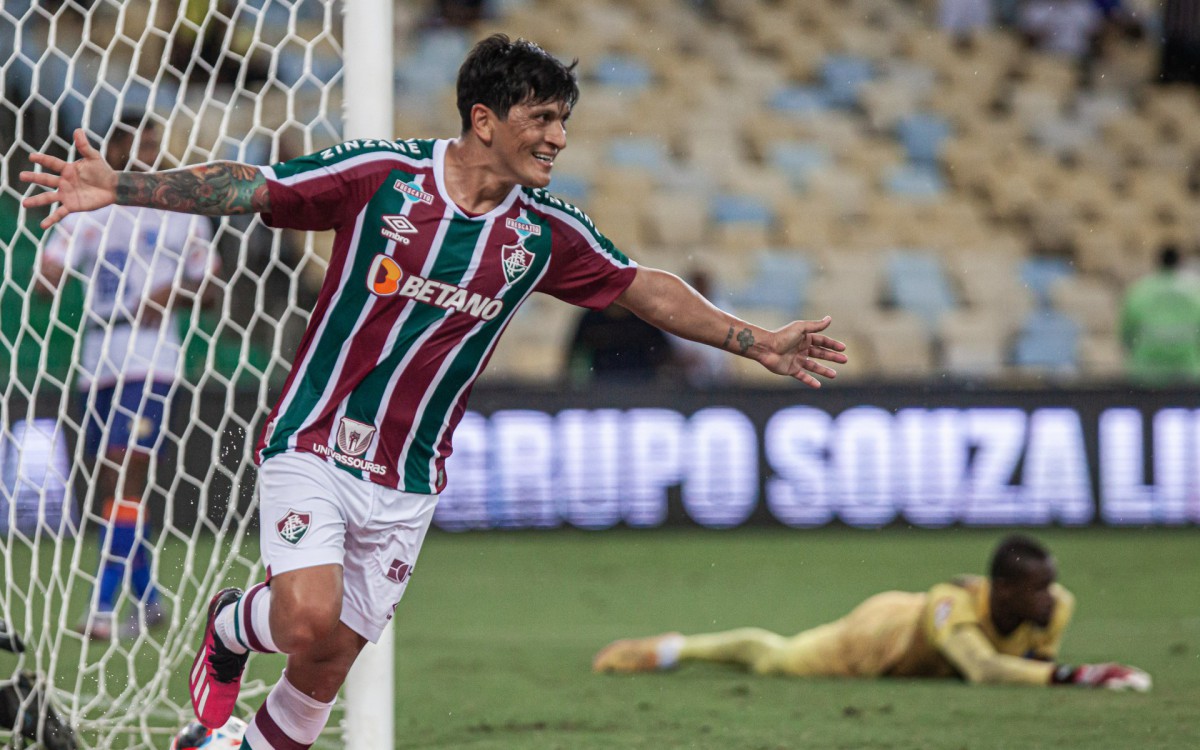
(130, 414)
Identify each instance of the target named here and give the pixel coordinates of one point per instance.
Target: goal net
(249, 80)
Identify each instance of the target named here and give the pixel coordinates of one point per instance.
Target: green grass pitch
(496, 633)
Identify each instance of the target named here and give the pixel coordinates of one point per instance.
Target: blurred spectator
(1180, 61)
(459, 13)
(1069, 28)
(616, 345)
(962, 19)
(703, 366)
(1160, 325)
(221, 49)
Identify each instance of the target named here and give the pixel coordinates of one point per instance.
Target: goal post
(369, 691)
(249, 80)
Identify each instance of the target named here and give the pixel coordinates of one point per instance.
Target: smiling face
(527, 141)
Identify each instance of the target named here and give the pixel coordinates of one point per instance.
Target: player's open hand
(83, 185)
(798, 349)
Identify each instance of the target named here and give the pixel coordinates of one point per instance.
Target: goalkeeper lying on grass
(1002, 629)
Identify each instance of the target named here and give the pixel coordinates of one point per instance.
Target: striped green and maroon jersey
(415, 298)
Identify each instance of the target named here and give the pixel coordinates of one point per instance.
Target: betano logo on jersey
(387, 279)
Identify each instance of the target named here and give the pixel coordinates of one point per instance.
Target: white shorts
(312, 513)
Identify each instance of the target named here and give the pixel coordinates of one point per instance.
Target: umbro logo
(396, 226)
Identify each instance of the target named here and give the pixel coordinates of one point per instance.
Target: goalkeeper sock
(288, 719)
(117, 540)
(246, 626)
(143, 585)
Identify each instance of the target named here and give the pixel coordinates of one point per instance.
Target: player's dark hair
(500, 73)
(130, 122)
(1010, 561)
(1168, 257)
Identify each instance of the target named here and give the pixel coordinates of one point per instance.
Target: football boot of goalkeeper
(216, 674)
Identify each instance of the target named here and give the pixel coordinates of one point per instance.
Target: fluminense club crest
(516, 260)
(293, 526)
(353, 438)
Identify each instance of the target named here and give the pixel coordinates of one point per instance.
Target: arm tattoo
(745, 339)
(728, 338)
(217, 189)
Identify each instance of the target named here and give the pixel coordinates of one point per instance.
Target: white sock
(668, 651)
(287, 719)
(246, 625)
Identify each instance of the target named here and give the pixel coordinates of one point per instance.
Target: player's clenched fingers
(48, 161)
(45, 179)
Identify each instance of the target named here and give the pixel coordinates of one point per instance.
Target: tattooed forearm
(728, 338)
(745, 339)
(217, 189)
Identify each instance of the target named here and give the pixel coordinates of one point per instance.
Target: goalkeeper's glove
(1110, 676)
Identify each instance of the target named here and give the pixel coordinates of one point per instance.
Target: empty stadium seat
(623, 72)
(917, 283)
(923, 135)
(737, 209)
(643, 152)
(780, 282)
(1040, 274)
(1048, 342)
(915, 182)
(843, 77)
(798, 160)
(799, 100)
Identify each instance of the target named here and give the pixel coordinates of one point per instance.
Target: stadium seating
(792, 147)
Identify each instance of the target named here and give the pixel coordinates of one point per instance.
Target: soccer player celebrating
(1003, 629)
(136, 265)
(437, 244)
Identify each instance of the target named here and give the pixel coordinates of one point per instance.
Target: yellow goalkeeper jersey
(944, 632)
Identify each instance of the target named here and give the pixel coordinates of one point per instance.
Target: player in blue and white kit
(135, 265)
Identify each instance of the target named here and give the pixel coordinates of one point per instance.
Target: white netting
(253, 81)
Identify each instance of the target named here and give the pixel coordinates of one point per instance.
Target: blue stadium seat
(843, 77)
(433, 65)
(781, 280)
(646, 152)
(799, 100)
(922, 136)
(1048, 340)
(571, 188)
(798, 160)
(728, 208)
(916, 282)
(915, 182)
(623, 72)
(1040, 275)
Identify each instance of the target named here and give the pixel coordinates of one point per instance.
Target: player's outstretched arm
(796, 350)
(216, 189)
(1107, 676)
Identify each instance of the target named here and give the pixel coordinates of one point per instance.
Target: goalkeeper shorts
(311, 513)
